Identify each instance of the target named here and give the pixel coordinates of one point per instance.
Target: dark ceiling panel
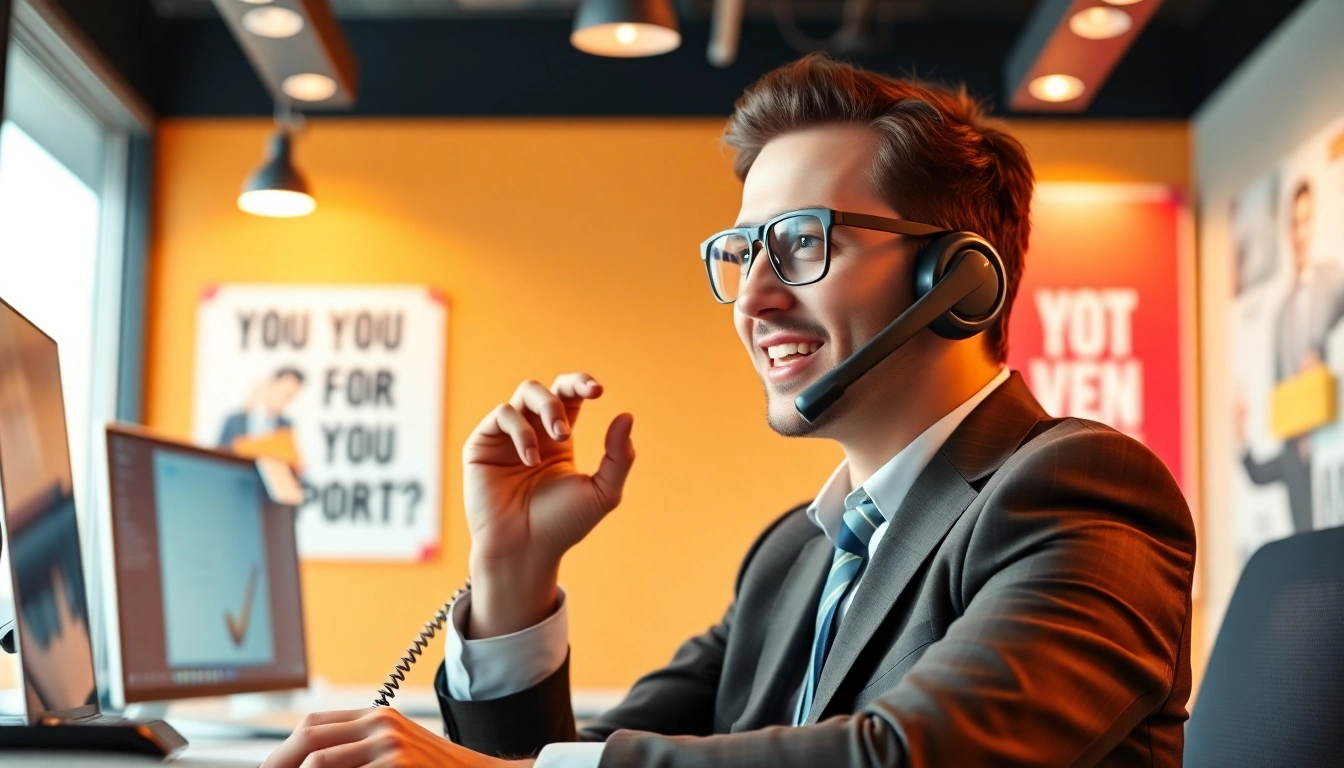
(472, 67)
(128, 33)
(522, 64)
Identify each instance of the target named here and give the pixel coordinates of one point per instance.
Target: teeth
(780, 351)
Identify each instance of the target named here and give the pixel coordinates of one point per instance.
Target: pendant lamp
(277, 189)
(625, 28)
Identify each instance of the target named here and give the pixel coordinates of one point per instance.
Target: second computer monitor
(207, 573)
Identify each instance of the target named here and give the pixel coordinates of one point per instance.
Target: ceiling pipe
(725, 32)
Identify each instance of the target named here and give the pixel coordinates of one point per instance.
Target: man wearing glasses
(977, 583)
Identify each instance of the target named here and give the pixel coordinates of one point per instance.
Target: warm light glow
(1100, 23)
(256, 2)
(1056, 88)
(272, 21)
(625, 40)
(276, 203)
(309, 86)
(1123, 2)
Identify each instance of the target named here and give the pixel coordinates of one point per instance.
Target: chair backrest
(1273, 692)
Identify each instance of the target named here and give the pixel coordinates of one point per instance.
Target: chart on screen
(213, 560)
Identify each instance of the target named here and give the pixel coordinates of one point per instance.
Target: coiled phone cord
(416, 649)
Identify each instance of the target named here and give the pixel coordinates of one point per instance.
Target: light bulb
(272, 21)
(277, 203)
(626, 33)
(309, 86)
(1100, 23)
(1056, 88)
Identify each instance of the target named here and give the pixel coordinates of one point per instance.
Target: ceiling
(513, 58)
(1178, 11)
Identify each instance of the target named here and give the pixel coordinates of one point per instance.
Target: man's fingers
(620, 456)
(334, 716)
(532, 397)
(506, 420)
(352, 755)
(573, 389)
(315, 734)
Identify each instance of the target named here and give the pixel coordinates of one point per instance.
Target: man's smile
(788, 355)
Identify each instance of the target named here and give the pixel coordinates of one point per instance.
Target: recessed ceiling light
(272, 21)
(309, 86)
(1100, 23)
(1056, 88)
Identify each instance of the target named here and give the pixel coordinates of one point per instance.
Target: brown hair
(942, 161)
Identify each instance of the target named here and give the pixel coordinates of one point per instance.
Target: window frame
(47, 35)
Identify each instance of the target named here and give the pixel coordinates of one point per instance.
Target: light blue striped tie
(857, 525)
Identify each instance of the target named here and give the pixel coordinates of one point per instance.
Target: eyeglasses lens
(728, 257)
(798, 245)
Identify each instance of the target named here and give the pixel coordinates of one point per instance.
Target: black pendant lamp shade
(625, 28)
(277, 189)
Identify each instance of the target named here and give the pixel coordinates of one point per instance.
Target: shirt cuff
(480, 670)
(571, 755)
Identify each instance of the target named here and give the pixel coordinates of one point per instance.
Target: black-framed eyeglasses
(797, 244)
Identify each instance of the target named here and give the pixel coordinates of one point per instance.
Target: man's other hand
(380, 737)
(527, 503)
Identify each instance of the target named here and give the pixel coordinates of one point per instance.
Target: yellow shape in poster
(278, 444)
(1302, 403)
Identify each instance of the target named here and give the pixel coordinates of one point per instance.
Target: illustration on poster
(1288, 354)
(337, 382)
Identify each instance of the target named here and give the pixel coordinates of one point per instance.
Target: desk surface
(207, 750)
(222, 731)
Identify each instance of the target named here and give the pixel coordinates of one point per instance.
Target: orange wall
(561, 245)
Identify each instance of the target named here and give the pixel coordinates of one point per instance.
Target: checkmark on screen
(238, 626)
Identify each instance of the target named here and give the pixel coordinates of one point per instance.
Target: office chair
(1273, 693)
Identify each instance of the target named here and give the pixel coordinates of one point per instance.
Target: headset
(960, 289)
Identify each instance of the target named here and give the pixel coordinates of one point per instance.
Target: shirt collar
(890, 483)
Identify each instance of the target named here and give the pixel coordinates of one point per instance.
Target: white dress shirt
(479, 670)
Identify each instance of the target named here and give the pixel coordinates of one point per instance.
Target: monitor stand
(97, 734)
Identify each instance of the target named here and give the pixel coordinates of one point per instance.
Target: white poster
(1286, 323)
(345, 384)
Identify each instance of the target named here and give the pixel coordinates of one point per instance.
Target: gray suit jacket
(1029, 605)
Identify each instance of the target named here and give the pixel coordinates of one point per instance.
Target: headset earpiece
(976, 312)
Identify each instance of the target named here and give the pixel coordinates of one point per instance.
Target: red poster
(1100, 328)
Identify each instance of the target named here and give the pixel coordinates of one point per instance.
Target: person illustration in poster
(1315, 302)
(261, 427)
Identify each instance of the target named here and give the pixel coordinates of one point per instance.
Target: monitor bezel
(120, 694)
(84, 710)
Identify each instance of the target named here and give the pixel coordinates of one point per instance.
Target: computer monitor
(207, 574)
(41, 532)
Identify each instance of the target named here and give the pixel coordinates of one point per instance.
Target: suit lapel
(985, 439)
(788, 636)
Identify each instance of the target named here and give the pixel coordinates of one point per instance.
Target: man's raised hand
(526, 501)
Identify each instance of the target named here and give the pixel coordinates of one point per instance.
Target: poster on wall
(1101, 325)
(345, 384)
(1287, 351)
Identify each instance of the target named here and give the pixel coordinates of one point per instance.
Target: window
(56, 162)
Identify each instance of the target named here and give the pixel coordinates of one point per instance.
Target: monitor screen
(207, 573)
(51, 613)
